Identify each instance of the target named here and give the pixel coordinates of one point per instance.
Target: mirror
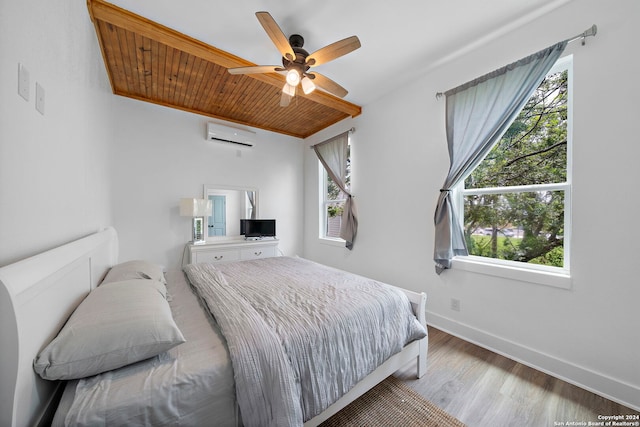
(230, 205)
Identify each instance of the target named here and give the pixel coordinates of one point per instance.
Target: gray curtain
(477, 115)
(252, 202)
(333, 156)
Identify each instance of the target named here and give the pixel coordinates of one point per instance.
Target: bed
(193, 380)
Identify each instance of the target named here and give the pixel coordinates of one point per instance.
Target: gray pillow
(137, 269)
(117, 324)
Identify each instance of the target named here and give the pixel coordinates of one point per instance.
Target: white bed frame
(38, 294)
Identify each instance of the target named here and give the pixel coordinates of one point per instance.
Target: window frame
(323, 203)
(533, 273)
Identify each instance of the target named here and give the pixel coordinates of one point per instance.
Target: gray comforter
(301, 334)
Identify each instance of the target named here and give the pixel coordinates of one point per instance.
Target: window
(332, 201)
(516, 203)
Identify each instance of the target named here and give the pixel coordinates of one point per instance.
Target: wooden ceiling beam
(100, 10)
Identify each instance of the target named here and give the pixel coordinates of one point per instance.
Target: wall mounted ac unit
(231, 135)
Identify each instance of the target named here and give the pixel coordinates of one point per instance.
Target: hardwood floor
(482, 388)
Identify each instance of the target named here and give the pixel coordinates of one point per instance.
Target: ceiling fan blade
(276, 35)
(325, 83)
(333, 51)
(255, 70)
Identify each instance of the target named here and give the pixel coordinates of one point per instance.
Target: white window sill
(332, 241)
(507, 270)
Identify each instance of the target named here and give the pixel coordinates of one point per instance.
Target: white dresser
(233, 250)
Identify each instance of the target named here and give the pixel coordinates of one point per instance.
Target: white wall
(54, 183)
(588, 334)
(161, 155)
(95, 159)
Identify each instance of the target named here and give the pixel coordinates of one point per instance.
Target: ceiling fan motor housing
(297, 41)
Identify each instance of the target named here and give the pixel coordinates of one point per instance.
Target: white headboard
(37, 295)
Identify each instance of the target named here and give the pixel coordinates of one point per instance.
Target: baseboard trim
(602, 385)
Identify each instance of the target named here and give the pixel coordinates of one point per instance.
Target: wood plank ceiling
(153, 63)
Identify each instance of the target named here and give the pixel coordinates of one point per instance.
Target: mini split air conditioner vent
(230, 135)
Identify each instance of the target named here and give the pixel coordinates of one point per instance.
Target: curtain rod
(590, 32)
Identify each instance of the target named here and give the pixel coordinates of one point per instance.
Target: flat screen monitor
(258, 227)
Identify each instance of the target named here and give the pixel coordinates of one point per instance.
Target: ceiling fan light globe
(293, 78)
(307, 86)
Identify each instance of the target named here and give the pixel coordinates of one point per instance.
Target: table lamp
(197, 209)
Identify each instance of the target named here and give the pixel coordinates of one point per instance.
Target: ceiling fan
(296, 61)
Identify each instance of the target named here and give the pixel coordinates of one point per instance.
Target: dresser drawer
(259, 252)
(232, 250)
(217, 256)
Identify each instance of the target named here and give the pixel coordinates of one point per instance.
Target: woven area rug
(392, 403)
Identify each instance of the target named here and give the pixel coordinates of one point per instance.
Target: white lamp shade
(307, 85)
(288, 89)
(195, 207)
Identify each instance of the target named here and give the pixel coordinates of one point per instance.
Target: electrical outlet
(455, 304)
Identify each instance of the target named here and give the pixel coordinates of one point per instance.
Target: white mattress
(190, 385)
